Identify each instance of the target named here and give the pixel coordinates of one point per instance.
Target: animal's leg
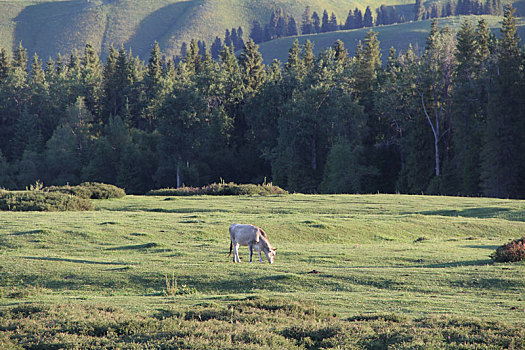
(250, 247)
(236, 253)
(260, 259)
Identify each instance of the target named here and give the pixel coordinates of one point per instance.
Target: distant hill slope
(53, 26)
(49, 27)
(398, 36)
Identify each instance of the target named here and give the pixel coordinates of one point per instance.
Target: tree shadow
(45, 27)
(482, 262)
(79, 261)
(481, 213)
(491, 247)
(23, 233)
(157, 26)
(135, 246)
(170, 211)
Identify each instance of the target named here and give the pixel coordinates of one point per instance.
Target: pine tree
(368, 21)
(316, 23)
(292, 27)
(358, 15)
(20, 58)
(251, 63)
(193, 59)
(294, 65)
(282, 27)
(332, 23)
(91, 76)
(306, 24)
(307, 56)
(503, 166)
(227, 38)
(216, 47)
(340, 53)
(5, 65)
(379, 17)
(467, 113)
(350, 21)
(419, 10)
(257, 33)
(325, 25)
(183, 49)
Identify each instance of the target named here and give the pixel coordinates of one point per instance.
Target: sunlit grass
(417, 257)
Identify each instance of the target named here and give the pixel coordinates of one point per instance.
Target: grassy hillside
(156, 269)
(49, 27)
(398, 36)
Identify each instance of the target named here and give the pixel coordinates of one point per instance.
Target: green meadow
(351, 271)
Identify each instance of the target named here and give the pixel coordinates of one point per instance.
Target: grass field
(354, 271)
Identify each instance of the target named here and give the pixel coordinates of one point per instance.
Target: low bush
(221, 189)
(42, 201)
(90, 190)
(510, 252)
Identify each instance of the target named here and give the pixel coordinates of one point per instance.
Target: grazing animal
(253, 237)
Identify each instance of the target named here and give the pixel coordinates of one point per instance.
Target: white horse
(253, 237)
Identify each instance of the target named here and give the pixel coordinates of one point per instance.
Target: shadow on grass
(135, 246)
(23, 233)
(457, 264)
(489, 283)
(491, 247)
(172, 211)
(79, 261)
(481, 213)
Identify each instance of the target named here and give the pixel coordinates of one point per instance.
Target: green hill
(50, 27)
(398, 36)
(60, 26)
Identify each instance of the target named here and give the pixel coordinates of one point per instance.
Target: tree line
(447, 120)
(282, 24)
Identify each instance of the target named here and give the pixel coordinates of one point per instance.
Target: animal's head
(270, 255)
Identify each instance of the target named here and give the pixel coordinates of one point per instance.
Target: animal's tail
(231, 247)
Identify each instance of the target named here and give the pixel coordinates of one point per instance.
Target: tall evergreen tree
(251, 63)
(368, 21)
(316, 23)
(216, 47)
(5, 65)
(503, 166)
(350, 21)
(257, 33)
(292, 27)
(419, 10)
(306, 24)
(325, 22)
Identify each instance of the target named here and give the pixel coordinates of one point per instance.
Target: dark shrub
(510, 252)
(221, 189)
(78, 191)
(90, 190)
(103, 191)
(42, 201)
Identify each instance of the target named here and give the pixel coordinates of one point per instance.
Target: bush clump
(42, 201)
(221, 189)
(510, 252)
(90, 190)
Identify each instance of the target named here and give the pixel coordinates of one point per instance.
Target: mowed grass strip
(422, 259)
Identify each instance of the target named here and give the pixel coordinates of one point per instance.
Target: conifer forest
(447, 118)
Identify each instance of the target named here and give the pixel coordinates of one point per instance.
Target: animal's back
(245, 233)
